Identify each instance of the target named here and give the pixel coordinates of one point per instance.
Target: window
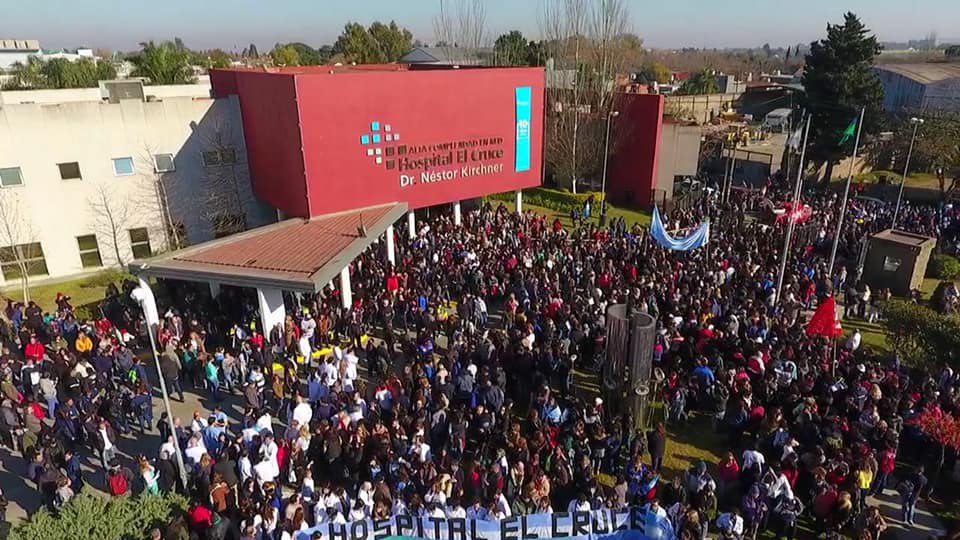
(227, 224)
(140, 243)
(163, 163)
(891, 264)
(69, 170)
(211, 158)
(89, 251)
(31, 255)
(123, 166)
(221, 156)
(10, 177)
(228, 155)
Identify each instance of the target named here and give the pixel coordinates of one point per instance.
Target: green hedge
(554, 199)
(101, 518)
(944, 267)
(920, 335)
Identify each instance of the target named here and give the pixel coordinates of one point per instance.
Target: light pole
(917, 122)
(603, 182)
(144, 297)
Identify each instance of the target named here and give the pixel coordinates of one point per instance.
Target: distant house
(17, 50)
(920, 86)
(447, 56)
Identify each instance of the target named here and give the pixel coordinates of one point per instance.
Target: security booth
(897, 260)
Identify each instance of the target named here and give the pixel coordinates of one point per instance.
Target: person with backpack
(118, 479)
(910, 489)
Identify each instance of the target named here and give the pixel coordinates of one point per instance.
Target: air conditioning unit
(114, 91)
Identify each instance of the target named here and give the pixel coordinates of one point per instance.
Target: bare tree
(158, 179)
(15, 233)
(113, 214)
(589, 45)
(564, 26)
(461, 26)
(223, 201)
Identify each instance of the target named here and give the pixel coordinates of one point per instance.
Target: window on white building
(89, 251)
(163, 163)
(15, 259)
(69, 170)
(123, 166)
(140, 243)
(10, 177)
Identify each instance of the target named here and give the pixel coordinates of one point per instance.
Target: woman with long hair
(150, 476)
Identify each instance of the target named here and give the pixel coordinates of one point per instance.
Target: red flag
(824, 321)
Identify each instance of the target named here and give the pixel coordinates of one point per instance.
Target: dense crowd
(447, 388)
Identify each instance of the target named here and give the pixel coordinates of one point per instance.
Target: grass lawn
(914, 179)
(872, 335)
(85, 291)
(629, 216)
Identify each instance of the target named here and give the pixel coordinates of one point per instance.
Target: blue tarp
(694, 240)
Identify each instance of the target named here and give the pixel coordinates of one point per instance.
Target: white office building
(94, 178)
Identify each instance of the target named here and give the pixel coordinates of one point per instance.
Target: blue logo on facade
(523, 97)
(379, 145)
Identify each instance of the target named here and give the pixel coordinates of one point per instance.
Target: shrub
(944, 267)
(94, 516)
(918, 334)
(554, 199)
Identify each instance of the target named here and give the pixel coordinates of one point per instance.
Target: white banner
(596, 525)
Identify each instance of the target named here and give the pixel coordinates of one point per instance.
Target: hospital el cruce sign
(430, 163)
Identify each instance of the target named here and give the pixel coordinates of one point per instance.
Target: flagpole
(796, 200)
(843, 202)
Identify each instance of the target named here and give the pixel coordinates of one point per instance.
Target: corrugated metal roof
(924, 73)
(293, 255)
(297, 250)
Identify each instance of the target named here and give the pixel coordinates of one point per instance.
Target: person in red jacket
(34, 349)
(887, 461)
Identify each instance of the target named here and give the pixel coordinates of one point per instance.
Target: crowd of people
(447, 388)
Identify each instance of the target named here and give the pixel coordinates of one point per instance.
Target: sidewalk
(927, 525)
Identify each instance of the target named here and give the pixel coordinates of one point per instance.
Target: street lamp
(917, 122)
(603, 183)
(143, 295)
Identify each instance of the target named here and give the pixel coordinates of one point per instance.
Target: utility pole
(917, 122)
(606, 154)
(846, 193)
(793, 209)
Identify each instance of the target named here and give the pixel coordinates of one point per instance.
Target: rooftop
(924, 73)
(903, 237)
(294, 255)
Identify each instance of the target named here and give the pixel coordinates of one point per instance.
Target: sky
(234, 24)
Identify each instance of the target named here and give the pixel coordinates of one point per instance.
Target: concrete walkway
(927, 525)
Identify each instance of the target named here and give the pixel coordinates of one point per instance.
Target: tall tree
(936, 150)
(588, 42)
(164, 63)
(651, 72)
(284, 55)
(510, 49)
(356, 44)
(219, 58)
(26, 75)
(700, 83)
(113, 215)
(536, 53)
(306, 55)
(252, 51)
(461, 28)
(391, 41)
(839, 80)
(16, 237)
